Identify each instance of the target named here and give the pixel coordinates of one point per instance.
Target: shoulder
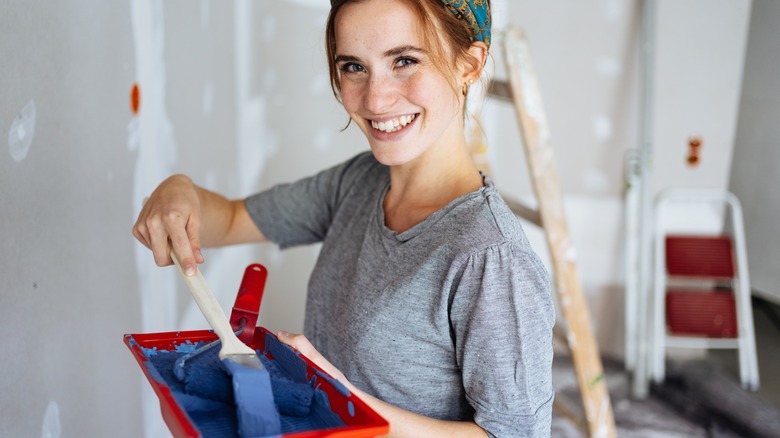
(491, 244)
(486, 223)
(361, 172)
(362, 165)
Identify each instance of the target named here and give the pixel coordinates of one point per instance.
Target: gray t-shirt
(451, 319)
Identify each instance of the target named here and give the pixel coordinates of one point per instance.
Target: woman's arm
(403, 423)
(186, 217)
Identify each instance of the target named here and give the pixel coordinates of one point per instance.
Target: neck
(427, 184)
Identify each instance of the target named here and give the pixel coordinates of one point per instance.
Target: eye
(351, 67)
(405, 62)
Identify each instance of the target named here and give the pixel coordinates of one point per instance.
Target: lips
(393, 125)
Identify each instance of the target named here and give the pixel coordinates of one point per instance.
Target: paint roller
(202, 375)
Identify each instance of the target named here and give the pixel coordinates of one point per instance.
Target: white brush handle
(213, 312)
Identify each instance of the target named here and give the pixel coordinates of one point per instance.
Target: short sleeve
(301, 212)
(502, 317)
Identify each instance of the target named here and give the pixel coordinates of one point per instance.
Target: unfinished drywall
(219, 98)
(67, 270)
(754, 176)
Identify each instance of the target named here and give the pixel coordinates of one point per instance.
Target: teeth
(393, 125)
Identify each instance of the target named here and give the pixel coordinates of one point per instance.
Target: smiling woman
(427, 300)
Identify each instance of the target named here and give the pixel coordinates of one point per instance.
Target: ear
(475, 62)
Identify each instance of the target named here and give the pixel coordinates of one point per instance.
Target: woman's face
(389, 85)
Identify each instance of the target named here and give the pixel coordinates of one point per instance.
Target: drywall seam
(150, 134)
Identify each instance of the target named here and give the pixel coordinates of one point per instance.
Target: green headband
(477, 16)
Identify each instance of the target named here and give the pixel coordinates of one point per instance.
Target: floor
(699, 398)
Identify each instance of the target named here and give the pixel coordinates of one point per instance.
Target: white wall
(754, 176)
(236, 95)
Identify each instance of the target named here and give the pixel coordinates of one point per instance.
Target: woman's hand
(403, 423)
(171, 218)
(181, 216)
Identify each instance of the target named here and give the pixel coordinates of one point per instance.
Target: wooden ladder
(522, 90)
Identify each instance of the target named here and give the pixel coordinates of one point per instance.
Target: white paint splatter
(208, 98)
(602, 127)
(51, 421)
(320, 85)
(322, 138)
(132, 135)
(570, 255)
(205, 13)
(613, 10)
(20, 136)
(595, 180)
(609, 67)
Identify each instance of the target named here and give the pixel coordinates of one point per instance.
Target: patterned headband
(477, 16)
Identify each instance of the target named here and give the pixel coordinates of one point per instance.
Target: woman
(426, 300)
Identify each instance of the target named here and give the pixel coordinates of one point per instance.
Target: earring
(466, 86)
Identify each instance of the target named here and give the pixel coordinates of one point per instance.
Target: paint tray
(335, 412)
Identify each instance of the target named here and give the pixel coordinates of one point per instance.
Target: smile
(393, 125)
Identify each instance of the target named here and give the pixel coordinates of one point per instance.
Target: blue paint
(255, 409)
(292, 398)
(351, 408)
(286, 359)
(210, 404)
(336, 384)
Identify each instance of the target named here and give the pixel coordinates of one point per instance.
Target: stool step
(701, 312)
(699, 256)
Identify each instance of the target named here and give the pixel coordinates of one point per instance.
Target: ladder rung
(530, 214)
(501, 90)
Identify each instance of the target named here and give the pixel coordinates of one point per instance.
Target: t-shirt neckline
(431, 220)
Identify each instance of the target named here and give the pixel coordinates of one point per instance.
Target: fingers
(180, 244)
(193, 231)
(170, 221)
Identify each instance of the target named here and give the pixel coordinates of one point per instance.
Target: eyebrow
(403, 49)
(396, 51)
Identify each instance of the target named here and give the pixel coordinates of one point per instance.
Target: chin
(393, 157)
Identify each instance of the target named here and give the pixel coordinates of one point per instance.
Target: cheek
(437, 97)
(350, 96)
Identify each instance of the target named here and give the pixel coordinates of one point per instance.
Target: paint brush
(255, 409)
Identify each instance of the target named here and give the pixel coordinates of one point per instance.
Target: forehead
(376, 25)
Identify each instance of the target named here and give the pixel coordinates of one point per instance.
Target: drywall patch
(20, 136)
(51, 421)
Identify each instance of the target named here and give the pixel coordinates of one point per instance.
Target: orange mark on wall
(135, 98)
(694, 149)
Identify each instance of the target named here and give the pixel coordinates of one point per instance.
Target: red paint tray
(358, 419)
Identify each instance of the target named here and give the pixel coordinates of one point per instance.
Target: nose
(380, 94)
